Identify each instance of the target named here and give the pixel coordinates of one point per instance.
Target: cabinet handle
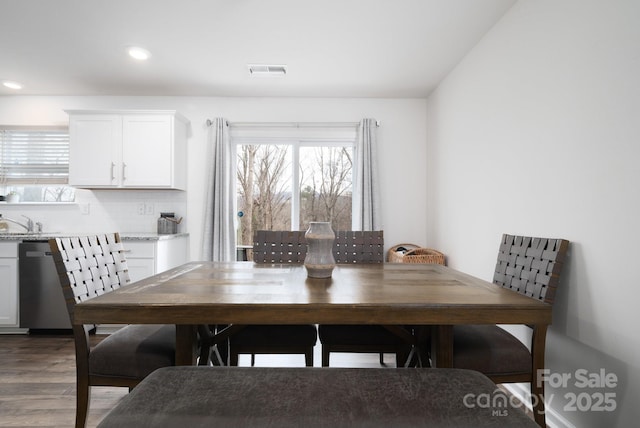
(113, 175)
(124, 169)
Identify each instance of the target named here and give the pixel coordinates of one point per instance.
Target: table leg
(537, 386)
(421, 347)
(186, 345)
(442, 346)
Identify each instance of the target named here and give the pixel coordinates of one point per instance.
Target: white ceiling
(332, 48)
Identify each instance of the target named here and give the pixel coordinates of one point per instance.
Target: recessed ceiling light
(267, 70)
(140, 54)
(12, 85)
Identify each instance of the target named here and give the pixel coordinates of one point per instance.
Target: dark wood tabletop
(246, 293)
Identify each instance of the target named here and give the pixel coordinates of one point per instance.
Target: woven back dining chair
(275, 247)
(279, 247)
(284, 247)
(361, 247)
(531, 267)
(357, 247)
(87, 267)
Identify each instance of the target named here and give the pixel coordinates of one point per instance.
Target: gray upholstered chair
(275, 247)
(529, 266)
(87, 267)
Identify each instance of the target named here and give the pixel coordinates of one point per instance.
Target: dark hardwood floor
(37, 379)
(37, 383)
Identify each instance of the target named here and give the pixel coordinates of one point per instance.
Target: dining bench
(189, 396)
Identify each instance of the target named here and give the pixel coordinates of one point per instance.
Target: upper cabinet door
(147, 155)
(93, 151)
(128, 149)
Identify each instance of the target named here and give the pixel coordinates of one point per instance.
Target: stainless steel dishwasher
(42, 304)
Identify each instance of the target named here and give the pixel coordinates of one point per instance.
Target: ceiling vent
(267, 70)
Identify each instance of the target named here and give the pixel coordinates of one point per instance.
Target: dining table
(436, 297)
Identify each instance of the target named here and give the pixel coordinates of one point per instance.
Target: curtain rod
(293, 124)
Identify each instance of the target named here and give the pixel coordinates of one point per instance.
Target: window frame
(297, 137)
(36, 182)
(49, 176)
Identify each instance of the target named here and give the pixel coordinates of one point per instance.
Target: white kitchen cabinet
(127, 149)
(141, 258)
(148, 257)
(9, 284)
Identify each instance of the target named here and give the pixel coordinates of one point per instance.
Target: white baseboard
(13, 330)
(108, 328)
(553, 418)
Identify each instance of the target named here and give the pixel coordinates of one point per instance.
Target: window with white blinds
(34, 156)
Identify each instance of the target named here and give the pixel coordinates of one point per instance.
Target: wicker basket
(424, 255)
(395, 256)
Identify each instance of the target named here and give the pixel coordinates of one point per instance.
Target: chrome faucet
(28, 226)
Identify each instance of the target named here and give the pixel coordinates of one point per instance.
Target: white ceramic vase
(319, 260)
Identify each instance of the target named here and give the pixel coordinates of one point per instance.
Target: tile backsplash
(103, 210)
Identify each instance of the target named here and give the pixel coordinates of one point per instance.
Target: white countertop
(125, 236)
(128, 236)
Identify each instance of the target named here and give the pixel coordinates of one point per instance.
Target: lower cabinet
(145, 257)
(9, 284)
(148, 257)
(141, 259)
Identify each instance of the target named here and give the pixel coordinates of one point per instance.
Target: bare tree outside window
(265, 187)
(58, 194)
(325, 183)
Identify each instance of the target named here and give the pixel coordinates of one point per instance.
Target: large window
(285, 183)
(34, 164)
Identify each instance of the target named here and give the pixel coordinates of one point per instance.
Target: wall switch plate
(84, 209)
(149, 209)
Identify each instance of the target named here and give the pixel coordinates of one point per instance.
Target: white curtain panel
(366, 186)
(219, 241)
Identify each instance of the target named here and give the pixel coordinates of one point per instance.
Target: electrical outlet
(149, 209)
(84, 209)
(140, 208)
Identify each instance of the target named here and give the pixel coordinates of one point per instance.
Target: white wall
(402, 150)
(537, 132)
